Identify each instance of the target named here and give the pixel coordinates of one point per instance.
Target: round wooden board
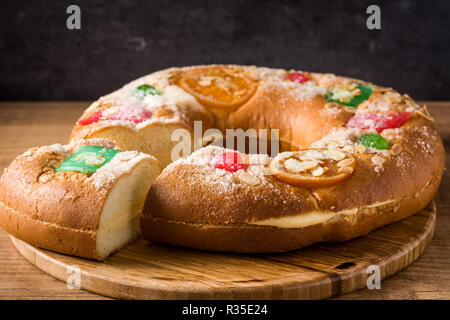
(146, 270)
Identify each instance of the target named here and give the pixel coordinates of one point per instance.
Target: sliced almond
(342, 94)
(324, 175)
(164, 113)
(351, 109)
(345, 162)
(377, 160)
(396, 149)
(423, 115)
(335, 154)
(95, 161)
(331, 105)
(91, 158)
(393, 97)
(425, 109)
(360, 148)
(317, 172)
(346, 170)
(109, 111)
(310, 164)
(127, 156)
(266, 171)
(347, 148)
(44, 177)
(292, 165)
(356, 92)
(296, 166)
(205, 81)
(247, 178)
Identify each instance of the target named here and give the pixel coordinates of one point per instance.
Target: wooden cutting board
(146, 270)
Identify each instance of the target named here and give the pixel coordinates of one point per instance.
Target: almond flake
(90, 158)
(44, 177)
(360, 148)
(347, 148)
(345, 162)
(396, 149)
(205, 81)
(331, 105)
(317, 172)
(346, 170)
(377, 160)
(423, 115)
(297, 166)
(248, 178)
(356, 92)
(335, 154)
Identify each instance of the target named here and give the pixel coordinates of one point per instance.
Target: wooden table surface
(24, 125)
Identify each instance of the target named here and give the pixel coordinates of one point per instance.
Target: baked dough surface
(271, 203)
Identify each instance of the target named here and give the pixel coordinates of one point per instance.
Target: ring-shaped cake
(353, 156)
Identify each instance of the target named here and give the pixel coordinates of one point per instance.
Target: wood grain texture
(144, 270)
(23, 125)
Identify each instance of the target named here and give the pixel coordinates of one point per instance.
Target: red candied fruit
(378, 122)
(229, 161)
(297, 77)
(95, 117)
(132, 114)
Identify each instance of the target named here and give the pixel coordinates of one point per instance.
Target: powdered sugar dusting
(72, 147)
(122, 163)
(297, 91)
(256, 166)
(105, 176)
(172, 98)
(266, 74)
(181, 103)
(425, 139)
(54, 148)
(58, 148)
(339, 138)
(386, 100)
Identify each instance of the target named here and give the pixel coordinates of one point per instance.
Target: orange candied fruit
(218, 87)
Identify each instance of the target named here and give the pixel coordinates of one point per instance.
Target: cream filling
(314, 217)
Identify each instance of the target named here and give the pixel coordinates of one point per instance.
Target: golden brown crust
(46, 235)
(292, 113)
(95, 130)
(195, 202)
(192, 199)
(57, 211)
(403, 174)
(30, 186)
(184, 209)
(146, 137)
(248, 238)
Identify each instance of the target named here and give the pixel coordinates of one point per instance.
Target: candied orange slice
(218, 87)
(313, 168)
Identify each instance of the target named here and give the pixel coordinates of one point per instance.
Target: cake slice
(82, 199)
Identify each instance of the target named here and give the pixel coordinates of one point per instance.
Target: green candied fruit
(146, 89)
(87, 159)
(346, 98)
(374, 141)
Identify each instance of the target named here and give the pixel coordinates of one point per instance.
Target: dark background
(40, 59)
